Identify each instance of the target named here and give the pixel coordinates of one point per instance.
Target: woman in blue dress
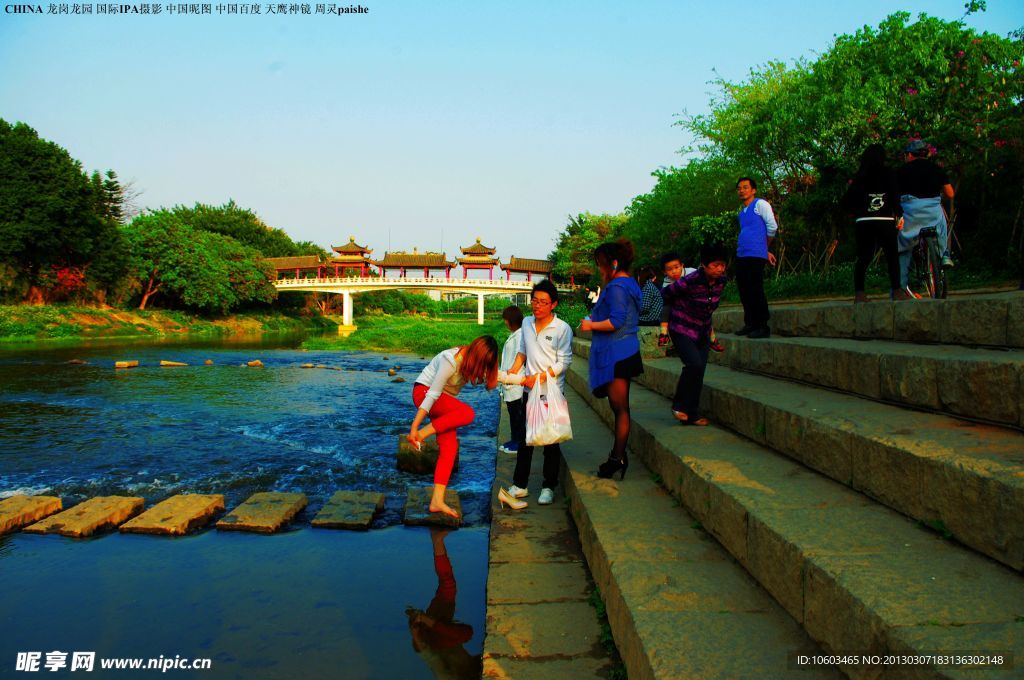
(615, 348)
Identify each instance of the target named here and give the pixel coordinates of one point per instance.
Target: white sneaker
(947, 262)
(547, 497)
(516, 492)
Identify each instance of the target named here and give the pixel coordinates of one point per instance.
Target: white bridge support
(350, 285)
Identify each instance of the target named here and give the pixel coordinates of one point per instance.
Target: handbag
(547, 415)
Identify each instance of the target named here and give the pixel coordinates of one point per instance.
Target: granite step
(265, 512)
(956, 476)
(93, 516)
(859, 577)
(996, 320)
(982, 384)
(177, 515)
(20, 510)
(678, 604)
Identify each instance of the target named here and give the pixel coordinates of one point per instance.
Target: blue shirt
(757, 225)
(620, 304)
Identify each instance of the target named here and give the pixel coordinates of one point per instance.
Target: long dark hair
(872, 161)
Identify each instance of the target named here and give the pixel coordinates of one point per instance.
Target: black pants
(750, 281)
(694, 356)
(517, 419)
(552, 462)
(871, 235)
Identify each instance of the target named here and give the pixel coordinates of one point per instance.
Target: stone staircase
(872, 485)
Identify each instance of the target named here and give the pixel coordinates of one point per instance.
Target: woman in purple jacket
(691, 301)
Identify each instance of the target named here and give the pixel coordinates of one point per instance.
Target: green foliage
(192, 268)
(422, 335)
(573, 256)
(53, 219)
(245, 227)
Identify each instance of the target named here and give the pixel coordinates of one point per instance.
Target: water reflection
(436, 636)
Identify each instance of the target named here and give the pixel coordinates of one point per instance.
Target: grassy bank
(421, 335)
(28, 323)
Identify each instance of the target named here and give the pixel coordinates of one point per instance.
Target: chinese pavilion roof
(478, 249)
(401, 258)
(524, 264)
(351, 248)
(297, 262)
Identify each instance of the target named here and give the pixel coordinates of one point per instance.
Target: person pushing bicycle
(923, 184)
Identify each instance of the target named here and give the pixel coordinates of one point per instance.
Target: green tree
(243, 225)
(51, 220)
(573, 256)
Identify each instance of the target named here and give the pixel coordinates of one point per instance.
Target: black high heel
(607, 469)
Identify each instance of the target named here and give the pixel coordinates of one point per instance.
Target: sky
(417, 124)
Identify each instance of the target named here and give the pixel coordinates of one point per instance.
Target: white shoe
(947, 262)
(504, 498)
(516, 492)
(547, 497)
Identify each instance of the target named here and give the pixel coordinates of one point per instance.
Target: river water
(305, 603)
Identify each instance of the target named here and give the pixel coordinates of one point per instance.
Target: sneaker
(516, 492)
(509, 447)
(947, 262)
(762, 332)
(717, 346)
(547, 497)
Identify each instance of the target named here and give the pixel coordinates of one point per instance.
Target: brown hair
(620, 251)
(513, 315)
(480, 362)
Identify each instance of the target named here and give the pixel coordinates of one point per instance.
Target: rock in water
(306, 366)
(126, 364)
(208, 362)
(255, 364)
(420, 462)
(392, 372)
(77, 362)
(399, 379)
(171, 363)
(417, 508)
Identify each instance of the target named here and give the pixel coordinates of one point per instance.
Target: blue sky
(418, 124)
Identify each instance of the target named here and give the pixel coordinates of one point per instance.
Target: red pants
(447, 414)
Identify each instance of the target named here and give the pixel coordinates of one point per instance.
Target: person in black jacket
(873, 197)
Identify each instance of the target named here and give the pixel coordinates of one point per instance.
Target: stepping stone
(93, 516)
(350, 510)
(255, 364)
(264, 512)
(126, 364)
(417, 508)
(176, 516)
(420, 462)
(18, 511)
(171, 363)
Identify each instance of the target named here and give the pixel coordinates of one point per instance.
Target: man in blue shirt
(757, 230)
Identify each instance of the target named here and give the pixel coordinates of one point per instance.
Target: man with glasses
(546, 351)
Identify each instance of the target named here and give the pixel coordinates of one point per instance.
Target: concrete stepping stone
(20, 510)
(350, 510)
(164, 362)
(417, 508)
(264, 512)
(93, 516)
(176, 516)
(126, 364)
(420, 462)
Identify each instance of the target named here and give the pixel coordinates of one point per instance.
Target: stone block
(1015, 320)
(93, 516)
(858, 372)
(417, 508)
(728, 320)
(909, 379)
(126, 364)
(837, 321)
(778, 566)
(549, 629)
(727, 521)
(420, 462)
(169, 364)
(918, 321)
(349, 510)
(884, 471)
(874, 320)
(785, 320)
(809, 321)
(982, 389)
(536, 582)
(975, 321)
(20, 510)
(264, 512)
(176, 516)
(818, 444)
(737, 412)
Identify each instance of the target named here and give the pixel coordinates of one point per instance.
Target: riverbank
(32, 323)
(421, 335)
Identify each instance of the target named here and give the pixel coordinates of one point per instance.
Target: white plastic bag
(547, 415)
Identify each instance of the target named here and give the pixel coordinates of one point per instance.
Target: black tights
(618, 399)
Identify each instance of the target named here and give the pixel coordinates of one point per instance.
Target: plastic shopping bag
(547, 415)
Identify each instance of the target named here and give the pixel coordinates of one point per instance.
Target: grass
(618, 670)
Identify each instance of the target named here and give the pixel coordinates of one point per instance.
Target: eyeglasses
(542, 303)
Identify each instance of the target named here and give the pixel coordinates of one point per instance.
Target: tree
(240, 224)
(51, 220)
(573, 256)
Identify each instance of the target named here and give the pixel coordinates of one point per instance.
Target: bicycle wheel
(936, 275)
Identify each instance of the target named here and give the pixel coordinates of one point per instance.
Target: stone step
(996, 320)
(93, 516)
(984, 384)
(421, 462)
(177, 515)
(265, 512)
(678, 604)
(858, 576)
(349, 510)
(417, 508)
(953, 475)
(21, 510)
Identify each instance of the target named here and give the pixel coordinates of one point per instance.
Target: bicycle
(926, 272)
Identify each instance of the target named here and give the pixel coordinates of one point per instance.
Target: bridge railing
(411, 281)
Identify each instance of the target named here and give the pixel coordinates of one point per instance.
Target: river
(305, 603)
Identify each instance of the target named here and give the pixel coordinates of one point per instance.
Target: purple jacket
(691, 301)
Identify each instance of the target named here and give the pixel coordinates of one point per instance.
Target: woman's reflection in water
(435, 635)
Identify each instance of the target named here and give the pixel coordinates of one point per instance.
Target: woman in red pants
(434, 395)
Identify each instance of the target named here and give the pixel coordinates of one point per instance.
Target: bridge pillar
(480, 308)
(346, 308)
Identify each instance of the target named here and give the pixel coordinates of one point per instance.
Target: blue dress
(620, 303)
